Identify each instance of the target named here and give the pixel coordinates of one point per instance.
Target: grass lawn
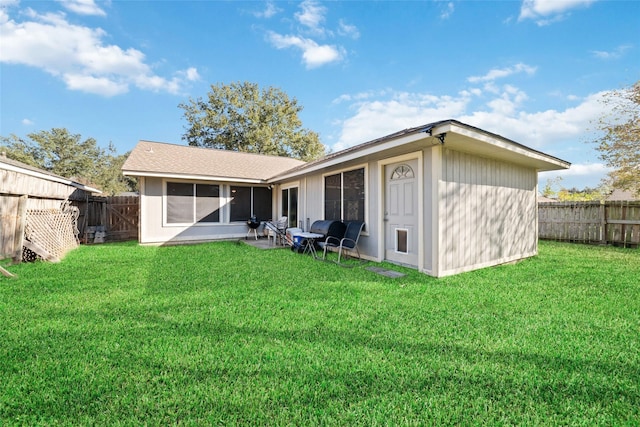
(226, 334)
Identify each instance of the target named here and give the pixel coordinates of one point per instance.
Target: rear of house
(443, 198)
(190, 194)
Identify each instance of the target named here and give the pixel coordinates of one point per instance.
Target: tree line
(243, 117)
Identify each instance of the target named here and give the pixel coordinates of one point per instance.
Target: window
(344, 197)
(189, 203)
(249, 201)
(290, 205)
(402, 172)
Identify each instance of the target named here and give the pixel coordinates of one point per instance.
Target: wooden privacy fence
(615, 223)
(108, 219)
(99, 219)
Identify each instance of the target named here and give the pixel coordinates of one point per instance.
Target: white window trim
(223, 202)
(288, 186)
(364, 166)
(382, 183)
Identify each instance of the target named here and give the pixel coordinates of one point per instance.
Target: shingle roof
(4, 159)
(621, 195)
(161, 159)
(157, 158)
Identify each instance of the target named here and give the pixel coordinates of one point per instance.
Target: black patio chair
(349, 243)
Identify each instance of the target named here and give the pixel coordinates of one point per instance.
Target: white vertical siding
(487, 212)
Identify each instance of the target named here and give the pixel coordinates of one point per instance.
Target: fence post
(603, 223)
(623, 208)
(18, 237)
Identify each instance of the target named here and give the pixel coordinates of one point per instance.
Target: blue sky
(533, 71)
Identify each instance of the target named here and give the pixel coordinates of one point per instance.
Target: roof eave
(366, 149)
(49, 177)
(541, 161)
(193, 177)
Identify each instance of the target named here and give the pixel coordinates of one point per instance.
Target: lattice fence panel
(51, 233)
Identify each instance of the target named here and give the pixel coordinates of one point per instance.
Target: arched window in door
(402, 172)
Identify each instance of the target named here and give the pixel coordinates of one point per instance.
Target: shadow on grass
(228, 332)
(400, 365)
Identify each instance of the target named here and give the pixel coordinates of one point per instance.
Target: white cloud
(312, 16)
(503, 113)
(500, 73)
(561, 133)
(313, 54)
(508, 101)
(83, 7)
(191, 74)
(361, 96)
(447, 11)
(498, 108)
(579, 175)
(348, 30)
(269, 11)
(586, 169)
(545, 12)
(97, 85)
(541, 129)
(617, 53)
(79, 57)
(375, 118)
(27, 122)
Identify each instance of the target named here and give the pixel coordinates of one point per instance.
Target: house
(618, 195)
(443, 198)
(544, 199)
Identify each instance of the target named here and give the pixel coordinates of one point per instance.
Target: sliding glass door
(290, 205)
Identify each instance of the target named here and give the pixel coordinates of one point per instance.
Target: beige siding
(487, 212)
(154, 231)
(432, 169)
(311, 202)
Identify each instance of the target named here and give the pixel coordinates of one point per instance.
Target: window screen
(207, 203)
(240, 203)
(188, 203)
(262, 203)
(344, 197)
(179, 202)
(333, 197)
(353, 195)
(249, 201)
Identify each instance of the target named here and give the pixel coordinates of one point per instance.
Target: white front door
(401, 212)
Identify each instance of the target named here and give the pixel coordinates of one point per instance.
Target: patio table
(310, 241)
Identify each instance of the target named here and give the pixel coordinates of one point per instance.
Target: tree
(620, 145)
(575, 195)
(65, 154)
(547, 190)
(241, 117)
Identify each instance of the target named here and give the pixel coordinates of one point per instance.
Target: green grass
(227, 334)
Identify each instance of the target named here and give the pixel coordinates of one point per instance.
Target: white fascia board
(48, 177)
(354, 155)
(501, 143)
(193, 177)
